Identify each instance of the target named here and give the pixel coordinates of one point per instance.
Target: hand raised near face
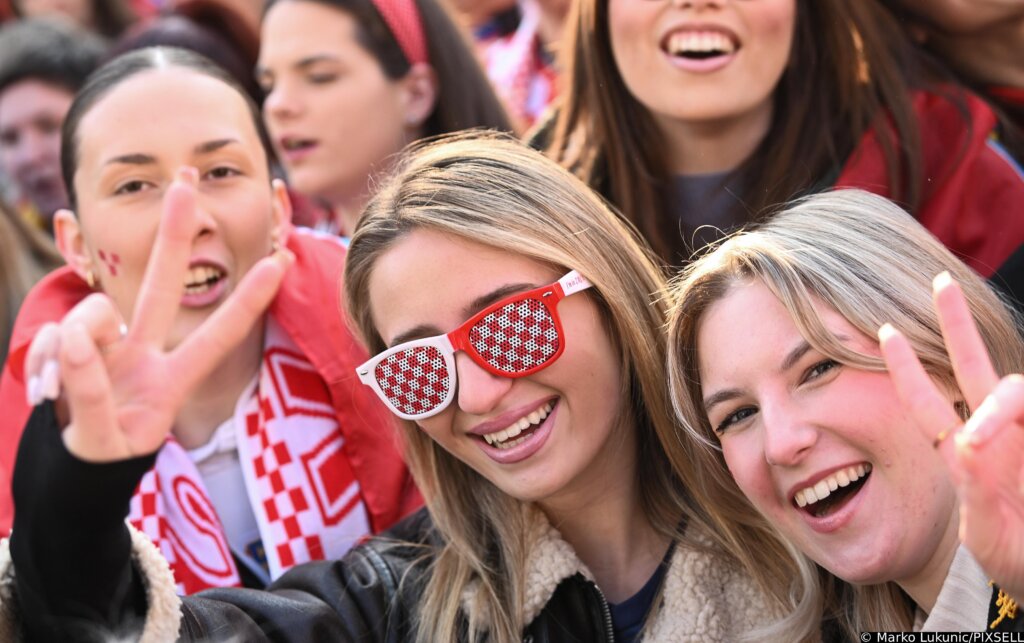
(123, 391)
(985, 454)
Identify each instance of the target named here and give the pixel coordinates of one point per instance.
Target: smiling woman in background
(703, 113)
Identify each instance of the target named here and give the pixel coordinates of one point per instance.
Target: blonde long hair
(494, 191)
(871, 262)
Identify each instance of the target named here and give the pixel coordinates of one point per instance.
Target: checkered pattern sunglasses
(514, 337)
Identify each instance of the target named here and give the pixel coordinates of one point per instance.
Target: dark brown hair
(465, 98)
(120, 69)
(824, 103)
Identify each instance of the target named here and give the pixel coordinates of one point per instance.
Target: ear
(419, 94)
(281, 212)
(71, 243)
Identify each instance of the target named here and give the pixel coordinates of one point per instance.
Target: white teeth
(498, 438)
(685, 42)
(200, 278)
(824, 488)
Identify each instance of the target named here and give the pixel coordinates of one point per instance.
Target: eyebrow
(731, 393)
(303, 63)
(309, 61)
(427, 330)
(206, 147)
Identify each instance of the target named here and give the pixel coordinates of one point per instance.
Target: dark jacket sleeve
(367, 596)
(70, 545)
(352, 599)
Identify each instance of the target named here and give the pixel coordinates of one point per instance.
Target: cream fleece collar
(704, 598)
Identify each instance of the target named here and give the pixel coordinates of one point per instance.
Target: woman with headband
(277, 458)
(516, 322)
(350, 82)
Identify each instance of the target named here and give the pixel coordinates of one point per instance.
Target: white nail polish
(32, 391)
(50, 379)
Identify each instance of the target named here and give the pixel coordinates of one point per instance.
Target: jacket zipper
(607, 612)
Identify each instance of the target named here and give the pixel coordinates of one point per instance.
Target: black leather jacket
(371, 595)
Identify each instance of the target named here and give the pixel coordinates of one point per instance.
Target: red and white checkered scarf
(301, 487)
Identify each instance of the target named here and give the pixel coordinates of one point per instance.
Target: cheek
(111, 262)
(745, 460)
(625, 34)
(439, 429)
(774, 27)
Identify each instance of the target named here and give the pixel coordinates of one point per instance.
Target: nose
(788, 437)
(204, 222)
(479, 390)
(281, 102)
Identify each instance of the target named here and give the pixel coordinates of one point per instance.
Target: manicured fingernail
(885, 332)
(962, 442)
(32, 391)
(50, 380)
(978, 430)
(942, 280)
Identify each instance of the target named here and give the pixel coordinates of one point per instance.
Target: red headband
(403, 19)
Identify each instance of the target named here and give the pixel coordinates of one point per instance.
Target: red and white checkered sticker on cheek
(517, 337)
(415, 380)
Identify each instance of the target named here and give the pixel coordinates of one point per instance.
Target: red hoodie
(973, 193)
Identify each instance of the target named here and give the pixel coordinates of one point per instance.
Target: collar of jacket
(704, 597)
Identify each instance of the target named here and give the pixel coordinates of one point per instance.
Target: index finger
(162, 285)
(968, 353)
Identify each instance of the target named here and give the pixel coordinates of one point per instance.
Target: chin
(867, 568)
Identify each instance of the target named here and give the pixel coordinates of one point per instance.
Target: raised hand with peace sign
(985, 453)
(123, 392)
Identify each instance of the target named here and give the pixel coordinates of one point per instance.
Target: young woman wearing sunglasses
(517, 323)
(850, 451)
(274, 459)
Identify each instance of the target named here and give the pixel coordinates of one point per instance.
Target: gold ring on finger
(945, 433)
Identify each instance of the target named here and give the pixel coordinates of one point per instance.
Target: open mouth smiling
(702, 44)
(829, 494)
(519, 431)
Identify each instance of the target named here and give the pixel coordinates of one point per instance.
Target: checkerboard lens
(517, 337)
(415, 380)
